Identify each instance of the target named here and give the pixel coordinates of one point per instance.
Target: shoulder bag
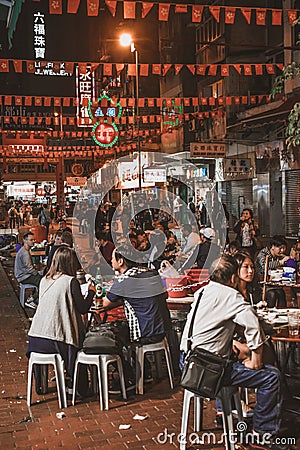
(106, 338)
(203, 372)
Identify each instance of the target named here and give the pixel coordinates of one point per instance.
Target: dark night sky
(74, 37)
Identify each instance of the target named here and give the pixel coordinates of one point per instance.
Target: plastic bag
(168, 271)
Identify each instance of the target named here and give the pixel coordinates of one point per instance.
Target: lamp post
(126, 41)
(60, 168)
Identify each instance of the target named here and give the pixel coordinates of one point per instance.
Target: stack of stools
(225, 395)
(102, 362)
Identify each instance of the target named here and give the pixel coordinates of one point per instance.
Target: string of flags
(144, 70)
(136, 9)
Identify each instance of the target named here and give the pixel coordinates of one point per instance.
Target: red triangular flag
(237, 68)
(146, 8)
(8, 100)
(180, 8)
(276, 16)
(112, 6)
(131, 70)
(178, 68)
(28, 101)
(55, 6)
(30, 66)
(72, 7)
(4, 67)
(156, 69)
(191, 68)
(141, 102)
(225, 70)
(258, 69)
(247, 69)
(163, 12)
(82, 68)
(38, 101)
(166, 68)
(119, 67)
(92, 7)
(57, 101)
(230, 15)
(280, 66)
(69, 67)
(213, 69)
(252, 99)
(107, 69)
(18, 100)
(197, 11)
(261, 16)
(66, 101)
(247, 14)
(17, 65)
(47, 101)
(270, 69)
(150, 102)
(292, 16)
(215, 12)
(144, 70)
(201, 69)
(129, 10)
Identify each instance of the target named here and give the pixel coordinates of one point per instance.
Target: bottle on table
(98, 283)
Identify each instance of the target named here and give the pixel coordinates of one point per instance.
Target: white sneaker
(30, 303)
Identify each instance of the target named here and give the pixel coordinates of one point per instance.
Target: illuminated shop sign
(155, 175)
(39, 35)
(85, 92)
(105, 134)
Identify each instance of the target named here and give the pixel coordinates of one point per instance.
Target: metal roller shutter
(241, 196)
(292, 202)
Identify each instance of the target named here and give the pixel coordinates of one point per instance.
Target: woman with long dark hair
(57, 326)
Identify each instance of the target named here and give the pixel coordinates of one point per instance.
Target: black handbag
(106, 338)
(203, 372)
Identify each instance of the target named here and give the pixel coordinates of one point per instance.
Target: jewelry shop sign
(207, 150)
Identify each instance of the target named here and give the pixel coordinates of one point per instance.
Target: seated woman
(57, 326)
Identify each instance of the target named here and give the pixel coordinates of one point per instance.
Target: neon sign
(105, 134)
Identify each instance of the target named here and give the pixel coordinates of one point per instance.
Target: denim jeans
(267, 381)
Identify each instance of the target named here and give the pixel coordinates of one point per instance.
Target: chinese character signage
(207, 150)
(85, 88)
(105, 134)
(39, 35)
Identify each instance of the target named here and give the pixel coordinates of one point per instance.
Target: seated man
(220, 309)
(144, 297)
(25, 272)
(275, 295)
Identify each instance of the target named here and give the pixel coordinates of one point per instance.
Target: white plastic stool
(225, 396)
(140, 352)
(102, 362)
(56, 360)
(23, 287)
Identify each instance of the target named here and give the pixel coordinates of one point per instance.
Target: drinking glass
(293, 319)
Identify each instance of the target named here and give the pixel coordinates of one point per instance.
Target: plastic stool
(140, 352)
(56, 360)
(225, 395)
(23, 287)
(102, 362)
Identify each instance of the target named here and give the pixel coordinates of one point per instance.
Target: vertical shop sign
(39, 35)
(85, 92)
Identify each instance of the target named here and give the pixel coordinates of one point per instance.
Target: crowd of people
(226, 321)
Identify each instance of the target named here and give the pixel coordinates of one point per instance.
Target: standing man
(220, 309)
(25, 272)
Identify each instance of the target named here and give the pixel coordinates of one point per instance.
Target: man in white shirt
(220, 309)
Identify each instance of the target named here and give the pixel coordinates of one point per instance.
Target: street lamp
(126, 41)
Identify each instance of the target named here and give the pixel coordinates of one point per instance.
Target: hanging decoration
(105, 134)
(252, 15)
